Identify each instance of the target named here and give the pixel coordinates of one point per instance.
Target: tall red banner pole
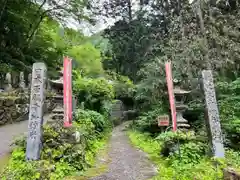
(171, 94)
(70, 91)
(67, 92)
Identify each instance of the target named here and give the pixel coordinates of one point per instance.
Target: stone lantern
(180, 97)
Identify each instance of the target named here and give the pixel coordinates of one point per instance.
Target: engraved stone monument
(35, 121)
(213, 119)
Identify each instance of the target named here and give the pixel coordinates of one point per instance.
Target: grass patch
(204, 170)
(96, 161)
(4, 161)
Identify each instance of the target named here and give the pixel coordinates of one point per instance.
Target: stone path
(9, 132)
(127, 163)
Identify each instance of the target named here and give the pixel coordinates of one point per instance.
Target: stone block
(9, 102)
(230, 174)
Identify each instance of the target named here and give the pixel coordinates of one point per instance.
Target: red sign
(163, 120)
(67, 91)
(171, 95)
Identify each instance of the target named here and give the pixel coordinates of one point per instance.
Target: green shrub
(182, 144)
(147, 122)
(93, 92)
(233, 159)
(189, 153)
(98, 120)
(123, 86)
(63, 154)
(229, 105)
(191, 166)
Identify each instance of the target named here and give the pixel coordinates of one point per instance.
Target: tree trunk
(202, 28)
(3, 8)
(129, 10)
(35, 29)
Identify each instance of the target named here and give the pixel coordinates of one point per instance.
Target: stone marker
(29, 80)
(21, 81)
(8, 82)
(35, 121)
(213, 119)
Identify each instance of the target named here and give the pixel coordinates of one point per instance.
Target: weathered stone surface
(213, 119)
(230, 174)
(117, 110)
(8, 82)
(35, 121)
(11, 111)
(14, 107)
(22, 81)
(130, 115)
(9, 102)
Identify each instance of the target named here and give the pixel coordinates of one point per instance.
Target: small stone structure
(230, 174)
(22, 81)
(13, 108)
(117, 110)
(180, 96)
(14, 98)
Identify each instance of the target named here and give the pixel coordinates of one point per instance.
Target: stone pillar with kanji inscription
(35, 121)
(212, 116)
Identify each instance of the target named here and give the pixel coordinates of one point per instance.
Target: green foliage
(93, 92)
(100, 123)
(147, 122)
(192, 164)
(123, 86)
(175, 137)
(233, 159)
(229, 105)
(32, 31)
(189, 153)
(128, 44)
(182, 147)
(88, 59)
(63, 154)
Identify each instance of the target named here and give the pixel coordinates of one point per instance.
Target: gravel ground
(127, 163)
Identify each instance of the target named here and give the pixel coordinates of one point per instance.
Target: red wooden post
(171, 95)
(67, 92)
(70, 91)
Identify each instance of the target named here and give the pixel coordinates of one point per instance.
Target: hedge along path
(121, 161)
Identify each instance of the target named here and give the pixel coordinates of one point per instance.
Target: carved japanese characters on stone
(36, 111)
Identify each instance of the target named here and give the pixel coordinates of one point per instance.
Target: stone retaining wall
(15, 108)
